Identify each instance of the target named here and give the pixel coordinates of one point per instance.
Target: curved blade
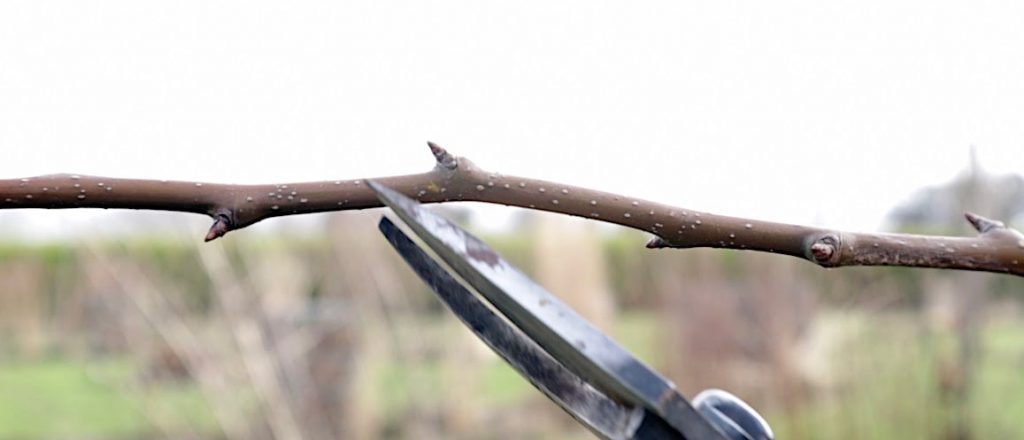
(556, 327)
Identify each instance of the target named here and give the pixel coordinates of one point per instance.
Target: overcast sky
(810, 112)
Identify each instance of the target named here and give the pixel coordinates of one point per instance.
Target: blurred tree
(942, 206)
(954, 303)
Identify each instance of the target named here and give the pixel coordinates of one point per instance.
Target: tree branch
(996, 248)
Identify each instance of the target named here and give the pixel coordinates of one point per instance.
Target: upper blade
(545, 319)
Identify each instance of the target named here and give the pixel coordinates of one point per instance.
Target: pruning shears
(585, 372)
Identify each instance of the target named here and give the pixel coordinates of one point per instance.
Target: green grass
(890, 386)
(58, 399)
(999, 398)
(66, 399)
(887, 387)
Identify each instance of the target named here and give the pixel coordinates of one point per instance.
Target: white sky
(802, 111)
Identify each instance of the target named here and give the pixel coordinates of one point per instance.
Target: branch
(996, 248)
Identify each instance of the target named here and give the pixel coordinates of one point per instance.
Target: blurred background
(325, 333)
(857, 115)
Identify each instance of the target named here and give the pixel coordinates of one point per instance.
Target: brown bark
(996, 248)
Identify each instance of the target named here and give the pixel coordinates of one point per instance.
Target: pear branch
(996, 248)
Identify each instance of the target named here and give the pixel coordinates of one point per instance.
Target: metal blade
(605, 417)
(556, 327)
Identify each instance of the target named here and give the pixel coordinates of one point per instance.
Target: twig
(257, 352)
(189, 346)
(996, 248)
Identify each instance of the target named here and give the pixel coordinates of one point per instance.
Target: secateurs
(581, 369)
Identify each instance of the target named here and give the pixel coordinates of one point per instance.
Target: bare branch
(996, 248)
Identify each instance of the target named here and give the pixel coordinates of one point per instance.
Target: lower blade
(602, 415)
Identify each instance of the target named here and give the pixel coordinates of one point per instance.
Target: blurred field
(328, 335)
